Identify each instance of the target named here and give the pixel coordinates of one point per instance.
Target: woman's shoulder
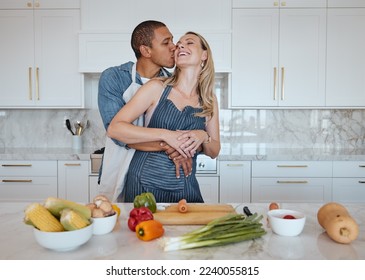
(154, 83)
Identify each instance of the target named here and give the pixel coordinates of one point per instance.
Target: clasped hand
(181, 146)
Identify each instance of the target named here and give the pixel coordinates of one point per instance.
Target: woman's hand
(192, 141)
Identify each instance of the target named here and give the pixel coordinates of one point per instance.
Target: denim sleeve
(110, 97)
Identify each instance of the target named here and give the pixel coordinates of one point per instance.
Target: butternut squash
(338, 223)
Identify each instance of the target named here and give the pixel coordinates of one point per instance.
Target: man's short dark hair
(143, 34)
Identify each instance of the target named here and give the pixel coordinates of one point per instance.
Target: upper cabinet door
(278, 3)
(345, 3)
(56, 58)
(17, 58)
(302, 57)
(255, 49)
(346, 58)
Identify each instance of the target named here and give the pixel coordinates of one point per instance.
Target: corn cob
(37, 215)
(72, 220)
(56, 205)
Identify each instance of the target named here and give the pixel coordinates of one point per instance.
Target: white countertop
(18, 243)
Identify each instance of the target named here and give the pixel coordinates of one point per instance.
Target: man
(152, 43)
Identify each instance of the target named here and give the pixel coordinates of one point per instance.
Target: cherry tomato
(289, 217)
(273, 205)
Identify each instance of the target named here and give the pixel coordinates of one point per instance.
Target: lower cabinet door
(93, 187)
(209, 187)
(317, 190)
(27, 189)
(73, 180)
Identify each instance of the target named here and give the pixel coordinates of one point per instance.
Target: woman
(182, 111)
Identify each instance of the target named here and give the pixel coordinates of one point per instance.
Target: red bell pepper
(138, 215)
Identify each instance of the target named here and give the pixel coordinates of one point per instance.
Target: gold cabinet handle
(36, 4)
(30, 83)
(282, 82)
(72, 164)
(283, 4)
(17, 181)
(37, 82)
(16, 165)
(275, 78)
(29, 4)
(292, 182)
(276, 4)
(292, 166)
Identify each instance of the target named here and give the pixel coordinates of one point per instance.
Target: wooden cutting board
(197, 214)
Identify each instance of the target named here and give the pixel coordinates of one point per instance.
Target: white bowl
(286, 227)
(64, 240)
(104, 225)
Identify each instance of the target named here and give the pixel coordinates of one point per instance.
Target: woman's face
(189, 51)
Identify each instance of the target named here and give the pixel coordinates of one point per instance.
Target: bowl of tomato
(286, 222)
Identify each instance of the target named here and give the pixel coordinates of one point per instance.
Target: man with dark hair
(154, 49)
(152, 43)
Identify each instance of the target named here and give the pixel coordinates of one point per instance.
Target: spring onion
(228, 229)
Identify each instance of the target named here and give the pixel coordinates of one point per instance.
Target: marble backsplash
(334, 129)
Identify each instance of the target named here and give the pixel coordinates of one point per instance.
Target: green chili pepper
(146, 199)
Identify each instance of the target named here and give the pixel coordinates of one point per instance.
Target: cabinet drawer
(28, 168)
(349, 169)
(348, 190)
(316, 190)
(29, 189)
(291, 169)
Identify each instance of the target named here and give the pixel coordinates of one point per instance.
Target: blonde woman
(182, 111)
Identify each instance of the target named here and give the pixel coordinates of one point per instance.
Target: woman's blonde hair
(205, 87)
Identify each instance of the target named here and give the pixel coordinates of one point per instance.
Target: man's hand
(178, 159)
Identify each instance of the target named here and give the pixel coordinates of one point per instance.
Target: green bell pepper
(146, 199)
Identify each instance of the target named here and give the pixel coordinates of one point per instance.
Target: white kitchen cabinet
(73, 180)
(98, 51)
(40, 4)
(348, 182)
(277, 4)
(278, 57)
(27, 180)
(346, 3)
(39, 58)
(235, 181)
(293, 181)
(345, 57)
(209, 187)
(124, 16)
(104, 40)
(93, 187)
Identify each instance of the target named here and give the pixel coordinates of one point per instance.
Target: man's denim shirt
(113, 82)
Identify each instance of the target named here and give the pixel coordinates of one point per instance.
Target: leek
(225, 230)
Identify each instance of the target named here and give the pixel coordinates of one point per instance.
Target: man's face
(162, 51)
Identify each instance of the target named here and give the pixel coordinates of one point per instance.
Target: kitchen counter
(18, 243)
(45, 154)
(228, 152)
